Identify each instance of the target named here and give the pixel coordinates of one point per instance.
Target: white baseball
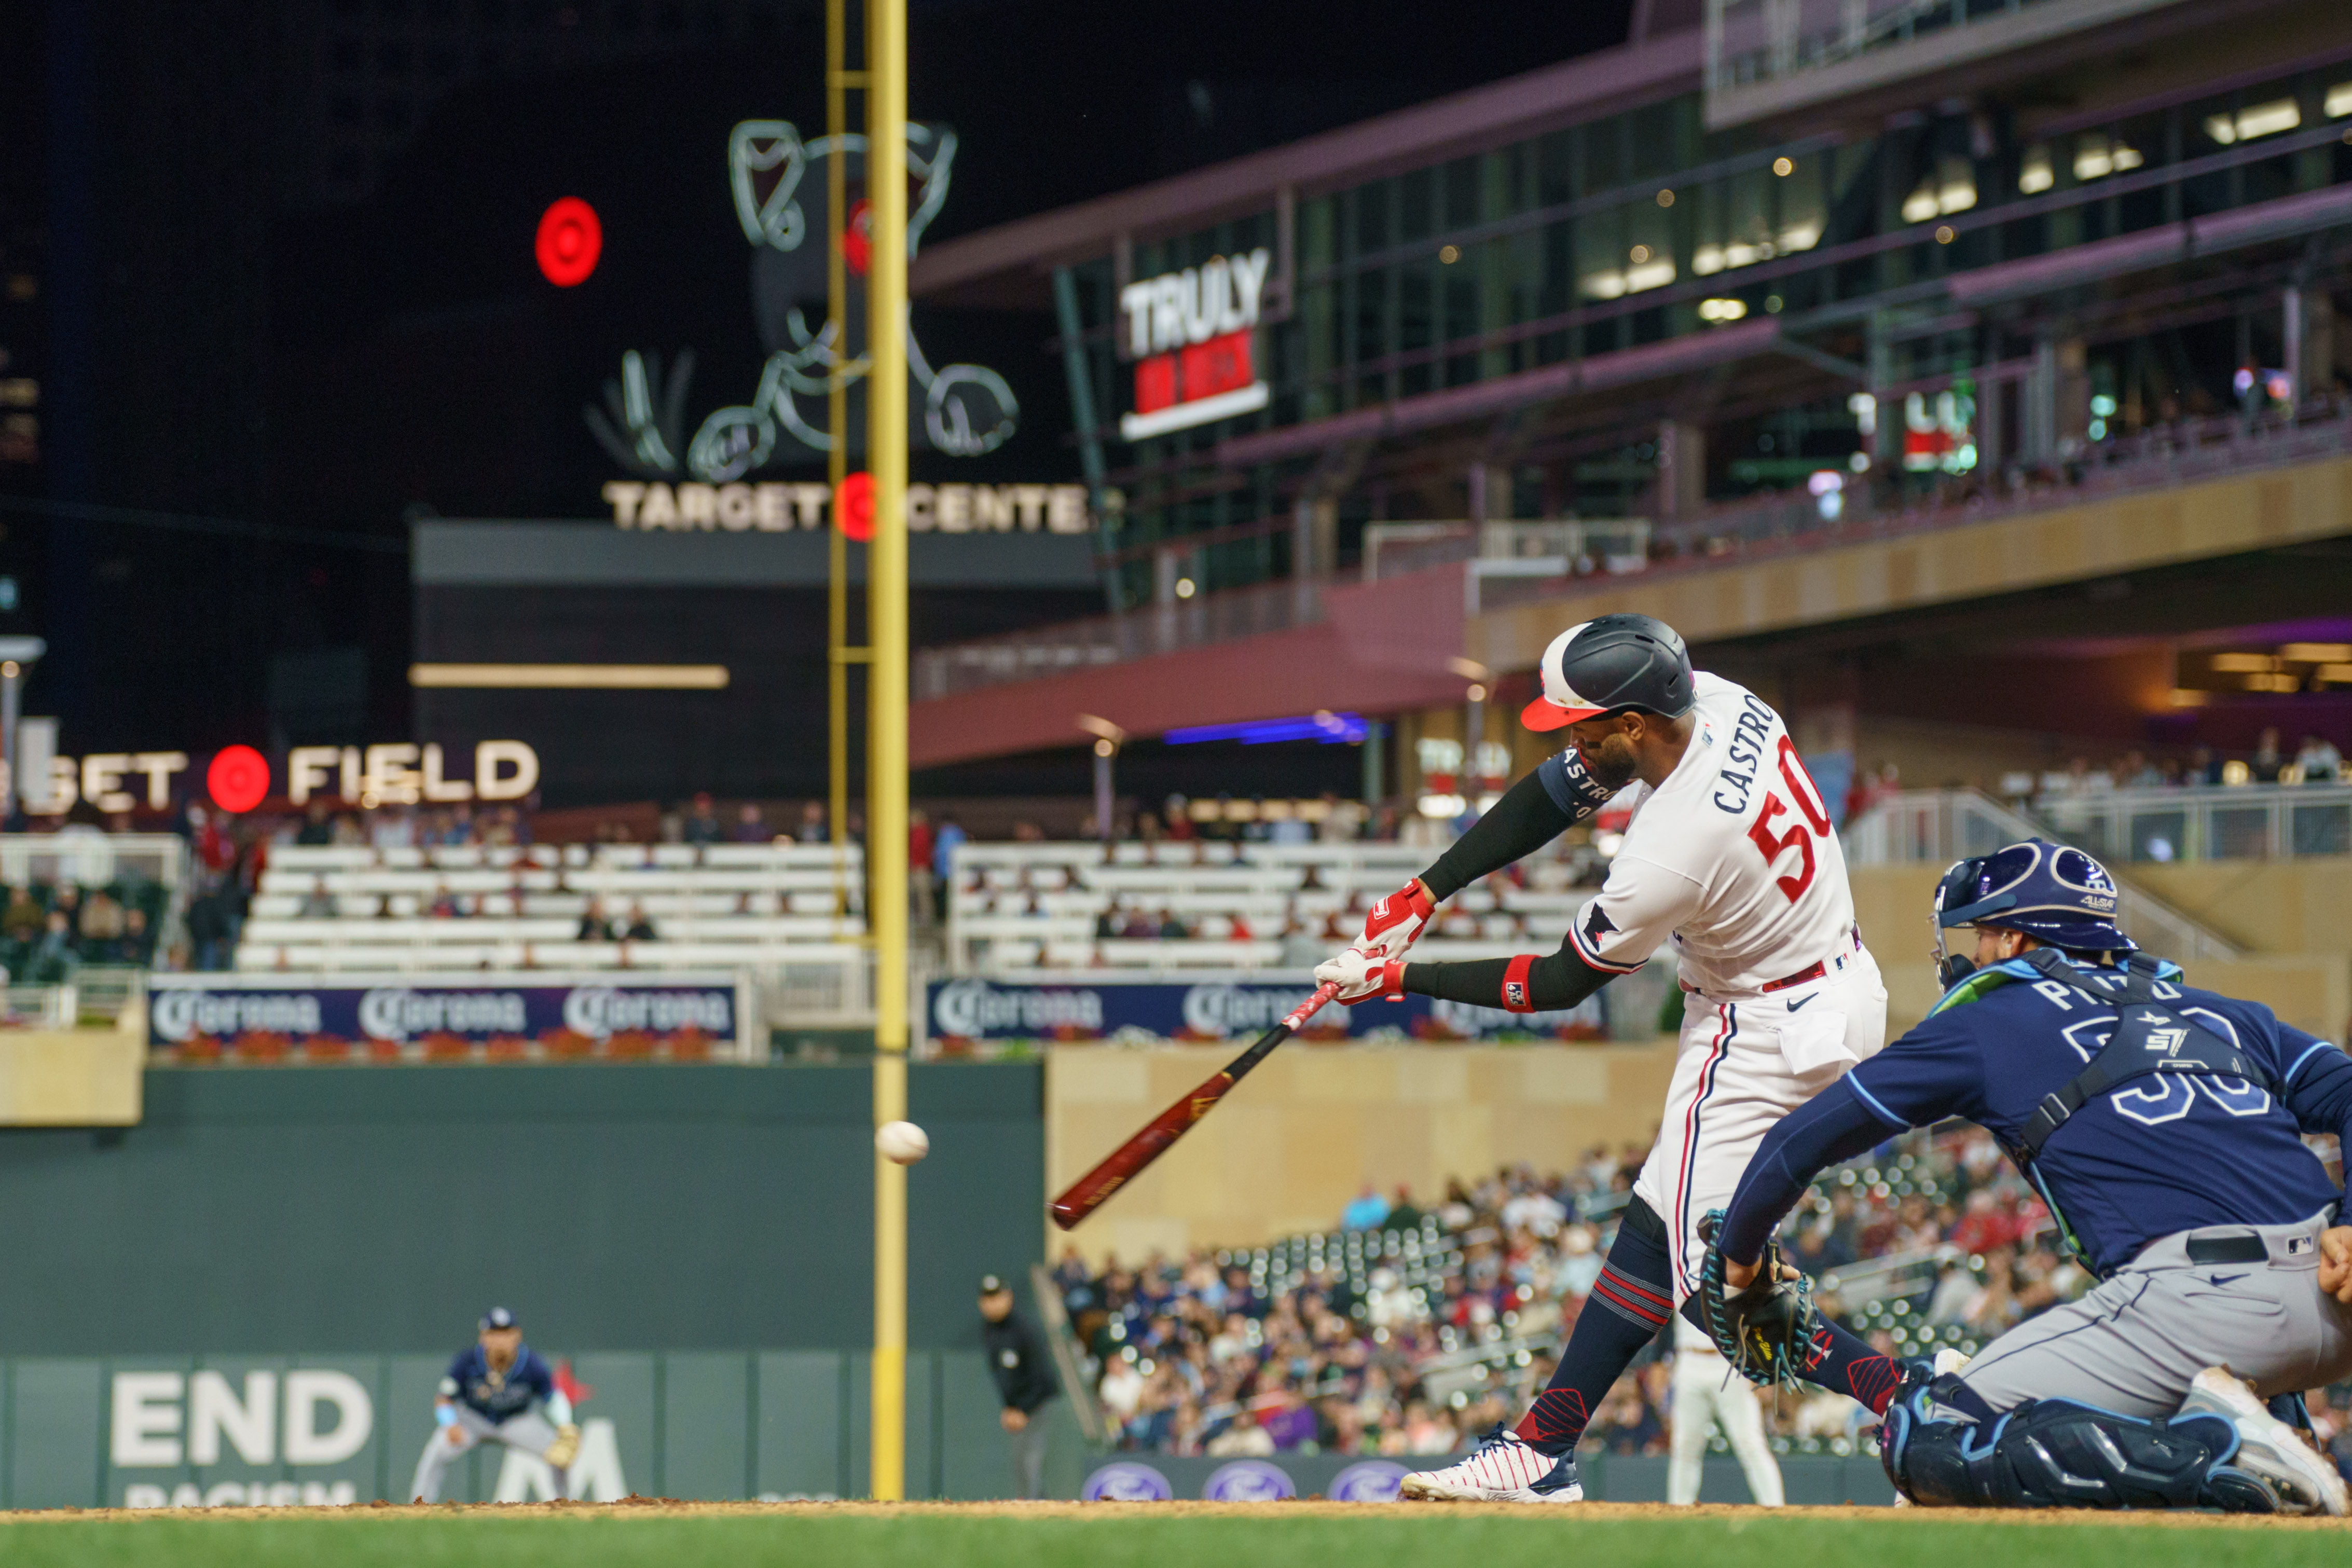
(902, 1143)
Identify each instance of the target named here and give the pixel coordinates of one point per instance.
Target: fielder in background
(1732, 860)
(2163, 1125)
(497, 1390)
(1706, 1394)
(1024, 1382)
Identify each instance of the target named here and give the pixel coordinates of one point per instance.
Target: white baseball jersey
(1733, 859)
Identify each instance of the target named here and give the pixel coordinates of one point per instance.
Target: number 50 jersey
(1733, 857)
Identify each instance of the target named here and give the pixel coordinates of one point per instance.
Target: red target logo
(238, 778)
(852, 507)
(570, 241)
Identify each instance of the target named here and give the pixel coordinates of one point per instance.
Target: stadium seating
(723, 906)
(1014, 908)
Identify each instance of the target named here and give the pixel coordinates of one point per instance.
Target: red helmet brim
(1544, 714)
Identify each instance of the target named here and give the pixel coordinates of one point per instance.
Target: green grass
(1376, 1539)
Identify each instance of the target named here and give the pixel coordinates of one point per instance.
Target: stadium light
(570, 677)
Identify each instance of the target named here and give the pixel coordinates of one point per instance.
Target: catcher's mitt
(566, 1448)
(1765, 1332)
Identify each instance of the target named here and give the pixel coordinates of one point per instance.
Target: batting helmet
(1607, 665)
(2053, 892)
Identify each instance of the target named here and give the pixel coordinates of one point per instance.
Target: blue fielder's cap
(2053, 892)
(497, 1318)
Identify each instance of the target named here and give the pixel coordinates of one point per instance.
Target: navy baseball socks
(1630, 1303)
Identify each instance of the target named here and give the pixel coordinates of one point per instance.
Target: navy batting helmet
(1610, 664)
(2053, 892)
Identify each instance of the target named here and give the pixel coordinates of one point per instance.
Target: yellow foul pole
(886, 816)
(838, 652)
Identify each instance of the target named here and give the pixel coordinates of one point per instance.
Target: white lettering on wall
(1194, 305)
(250, 1424)
(151, 1408)
(146, 1425)
(940, 508)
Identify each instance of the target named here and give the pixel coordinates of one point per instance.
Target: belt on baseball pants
(1814, 970)
(2208, 1250)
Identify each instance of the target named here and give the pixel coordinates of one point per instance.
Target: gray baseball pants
(530, 1431)
(2133, 1344)
(1028, 1446)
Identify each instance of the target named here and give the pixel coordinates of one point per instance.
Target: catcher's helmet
(1612, 663)
(2053, 892)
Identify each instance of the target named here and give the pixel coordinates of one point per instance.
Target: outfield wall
(379, 1210)
(180, 1431)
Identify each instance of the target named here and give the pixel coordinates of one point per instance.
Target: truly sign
(1189, 333)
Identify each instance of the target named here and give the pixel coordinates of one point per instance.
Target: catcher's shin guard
(2055, 1453)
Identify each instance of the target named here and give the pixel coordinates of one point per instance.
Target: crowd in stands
(49, 931)
(1410, 1331)
(2315, 761)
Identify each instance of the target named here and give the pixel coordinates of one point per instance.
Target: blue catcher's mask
(2053, 892)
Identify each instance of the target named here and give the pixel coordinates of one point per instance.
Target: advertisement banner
(380, 1010)
(1216, 1008)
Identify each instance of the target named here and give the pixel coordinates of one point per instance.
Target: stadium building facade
(1964, 375)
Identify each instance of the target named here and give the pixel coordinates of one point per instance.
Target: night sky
(222, 342)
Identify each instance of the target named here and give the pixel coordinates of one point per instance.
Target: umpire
(1025, 1381)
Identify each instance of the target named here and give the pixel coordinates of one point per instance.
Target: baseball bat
(1089, 1192)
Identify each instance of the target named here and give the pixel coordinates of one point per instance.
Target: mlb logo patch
(2296, 1245)
(1515, 995)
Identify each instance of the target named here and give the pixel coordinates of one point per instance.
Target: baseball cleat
(1501, 1469)
(2305, 1482)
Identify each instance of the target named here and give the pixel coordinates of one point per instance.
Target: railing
(1555, 546)
(1143, 632)
(2154, 459)
(1939, 827)
(2159, 458)
(91, 860)
(2221, 822)
(1749, 42)
(1078, 1371)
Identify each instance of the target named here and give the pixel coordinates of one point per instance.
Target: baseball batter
(1731, 857)
(498, 1391)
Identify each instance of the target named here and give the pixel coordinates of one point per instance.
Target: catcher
(497, 1390)
(2163, 1126)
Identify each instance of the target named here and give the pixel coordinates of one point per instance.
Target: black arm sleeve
(1525, 820)
(1556, 980)
(1830, 1128)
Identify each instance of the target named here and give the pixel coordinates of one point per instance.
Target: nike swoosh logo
(1794, 1006)
(2226, 1279)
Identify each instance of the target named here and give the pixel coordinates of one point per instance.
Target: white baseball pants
(1741, 1067)
(1708, 1394)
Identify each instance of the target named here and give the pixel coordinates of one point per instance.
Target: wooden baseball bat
(1089, 1192)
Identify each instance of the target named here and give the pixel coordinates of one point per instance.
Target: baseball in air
(902, 1143)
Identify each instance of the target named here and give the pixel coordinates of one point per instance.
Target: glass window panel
(1603, 154)
(1654, 140)
(2237, 833)
(2159, 836)
(1371, 217)
(1464, 185)
(1556, 168)
(1601, 255)
(1416, 306)
(1416, 203)
(2322, 829)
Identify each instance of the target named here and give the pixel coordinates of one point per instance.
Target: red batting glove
(1395, 920)
(1361, 975)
